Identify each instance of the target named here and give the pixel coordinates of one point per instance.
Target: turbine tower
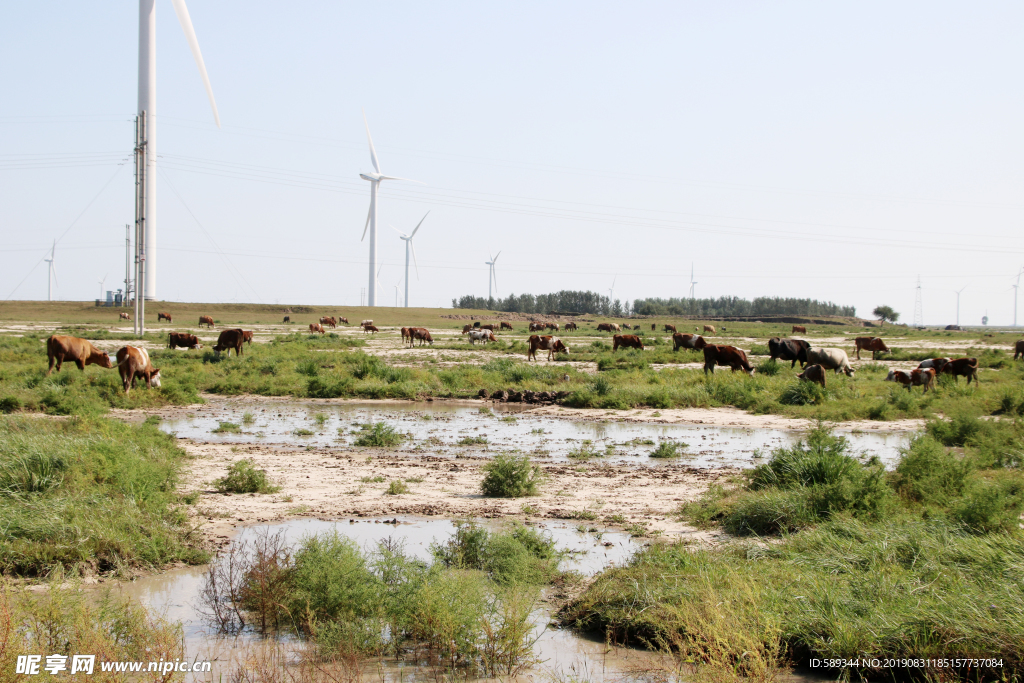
(1016, 288)
(147, 110)
(408, 248)
(102, 282)
(492, 277)
(371, 218)
(51, 273)
(958, 304)
(693, 283)
(611, 290)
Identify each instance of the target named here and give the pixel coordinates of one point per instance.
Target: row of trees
(592, 303)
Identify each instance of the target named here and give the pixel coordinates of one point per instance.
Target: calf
(872, 344)
(316, 327)
(60, 348)
(247, 337)
(687, 341)
(422, 334)
(1018, 349)
(813, 373)
(789, 349)
(936, 363)
(508, 326)
(232, 339)
(730, 356)
(831, 359)
(123, 316)
(163, 316)
(547, 343)
(627, 341)
(921, 377)
(799, 329)
(205, 320)
(481, 335)
(962, 367)
(184, 340)
(710, 329)
(132, 363)
(671, 328)
(370, 329)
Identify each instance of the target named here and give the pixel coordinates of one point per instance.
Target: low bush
(511, 476)
(379, 435)
(397, 487)
(244, 477)
(668, 449)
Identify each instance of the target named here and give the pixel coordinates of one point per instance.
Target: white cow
(481, 335)
(830, 359)
(366, 322)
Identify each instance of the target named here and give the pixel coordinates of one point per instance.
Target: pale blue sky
(793, 149)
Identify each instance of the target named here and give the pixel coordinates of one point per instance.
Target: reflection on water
(439, 428)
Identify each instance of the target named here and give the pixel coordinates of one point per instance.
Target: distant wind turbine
(1016, 288)
(693, 283)
(51, 274)
(102, 282)
(375, 179)
(492, 276)
(611, 290)
(408, 248)
(147, 104)
(958, 304)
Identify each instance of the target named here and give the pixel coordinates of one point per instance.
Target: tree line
(593, 303)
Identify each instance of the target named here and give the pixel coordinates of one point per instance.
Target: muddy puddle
(440, 428)
(564, 654)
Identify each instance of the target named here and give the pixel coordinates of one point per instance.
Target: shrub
(511, 476)
(473, 441)
(226, 427)
(380, 435)
(768, 368)
(584, 451)
(10, 404)
(961, 428)
(397, 487)
(803, 394)
(668, 449)
(991, 505)
(930, 474)
(331, 581)
(243, 477)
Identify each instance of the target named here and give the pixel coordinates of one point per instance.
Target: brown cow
(872, 344)
(962, 367)
(937, 363)
(164, 316)
(231, 339)
(566, 327)
(329, 322)
(627, 341)
(608, 327)
(507, 326)
(654, 327)
(247, 337)
(547, 343)
(687, 341)
(1019, 349)
(466, 328)
(343, 320)
(370, 328)
(730, 356)
(813, 373)
(134, 362)
(407, 333)
(60, 348)
(551, 326)
(921, 377)
(123, 316)
(184, 340)
(799, 328)
(421, 334)
(671, 328)
(205, 320)
(536, 327)
(316, 327)
(709, 329)
(488, 326)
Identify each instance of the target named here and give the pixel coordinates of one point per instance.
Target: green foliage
(397, 487)
(768, 368)
(514, 555)
(511, 476)
(380, 435)
(473, 441)
(668, 449)
(802, 393)
(10, 404)
(885, 313)
(225, 428)
(244, 477)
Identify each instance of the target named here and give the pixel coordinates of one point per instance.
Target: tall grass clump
(380, 435)
(244, 477)
(511, 476)
(514, 555)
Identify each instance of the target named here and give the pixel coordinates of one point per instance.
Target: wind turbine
(693, 283)
(147, 105)
(371, 218)
(492, 277)
(396, 293)
(611, 290)
(1016, 288)
(102, 282)
(958, 304)
(408, 248)
(51, 273)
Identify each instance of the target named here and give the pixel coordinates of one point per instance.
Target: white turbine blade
(367, 226)
(495, 259)
(394, 177)
(413, 248)
(53, 269)
(419, 224)
(193, 44)
(400, 233)
(373, 152)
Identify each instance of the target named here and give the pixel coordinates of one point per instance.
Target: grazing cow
(163, 316)
(730, 356)
(365, 323)
(316, 327)
(132, 363)
(654, 327)
(570, 327)
(936, 363)
(671, 328)
(921, 377)
(813, 373)
(370, 329)
(506, 326)
(329, 322)
(536, 327)
(687, 341)
(123, 316)
(423, 335)
(407, 334)
(80, 351)
(247, 337)
(342, 319)
(627, 341)
(872, 344)
(1019, 349)
(487, 327)
(962, 367)
(466, 328)
(205, 320)
(287, 318)
(481, 335)
(789, 349)
(608, 327)
(551, 326)
(184, 340)
(831, 359)
(547, 343)
(476, 324)
(798, 329)
(710, 329)
(232, 339)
